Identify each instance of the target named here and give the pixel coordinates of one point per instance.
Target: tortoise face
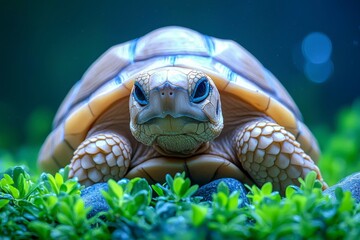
(175, 110)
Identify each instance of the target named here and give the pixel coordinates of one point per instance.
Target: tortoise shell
(233, 69)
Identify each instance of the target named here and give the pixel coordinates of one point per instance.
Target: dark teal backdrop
(46, 46)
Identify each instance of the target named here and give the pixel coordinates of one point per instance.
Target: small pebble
(350, 183)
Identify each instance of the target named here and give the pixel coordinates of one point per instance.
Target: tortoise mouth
(170, 126)
(174, 117)
(200, 169)
(177, 136)
(174, 125)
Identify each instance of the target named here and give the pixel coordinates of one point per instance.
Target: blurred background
(313, 47)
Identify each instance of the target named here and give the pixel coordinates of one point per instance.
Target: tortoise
(176, 100)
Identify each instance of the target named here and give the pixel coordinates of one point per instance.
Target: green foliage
(285, 215)
(306, 213)
(34, 206)
(175, 189)
(341, 155)
(51, 208)
(127, 197)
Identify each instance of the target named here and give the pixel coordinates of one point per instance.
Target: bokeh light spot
(316, 48)
(318, 73)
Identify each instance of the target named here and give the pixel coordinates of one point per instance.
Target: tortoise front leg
(101, 157)
(269, 153)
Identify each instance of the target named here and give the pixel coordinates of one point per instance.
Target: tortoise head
(175, 110)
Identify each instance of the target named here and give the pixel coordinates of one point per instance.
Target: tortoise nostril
(167, 90)
(169, 93)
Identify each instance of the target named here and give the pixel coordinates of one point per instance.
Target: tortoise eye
(139, 94)
(201, 91)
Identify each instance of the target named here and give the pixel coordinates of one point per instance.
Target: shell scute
(157, 43)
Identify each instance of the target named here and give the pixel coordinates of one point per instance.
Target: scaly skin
(269, 153)
(100, 158)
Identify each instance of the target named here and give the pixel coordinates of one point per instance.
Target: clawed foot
(269, 153)
(100, 158)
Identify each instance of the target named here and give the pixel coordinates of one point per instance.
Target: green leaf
(64, 219)
(191, 191)
(64, 172)
(169, 181)
(223, 187)
(233, 201)
(17, 173)
(63, 188)
(137, 185)
(267, 188)
(222, 199)
(309, 182)
(79, 208)
(115, 189)
(157, 188)
(141, 199)
(52, 201)
(53, 184)
(339, 193)
(198, 214)
(59, 180)
(14, 192)
(7, 180)
(290, 191)
(318, 184)
(20, 185)
(347, 202)
(42, 229)
(65, 209)
(186, 186)
(178, 185)
(108, 198)
(3, 202)
(123, 182)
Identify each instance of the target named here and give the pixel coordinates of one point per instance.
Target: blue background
(46, 46)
